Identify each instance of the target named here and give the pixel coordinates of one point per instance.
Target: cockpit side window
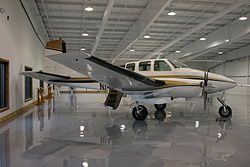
(145, 66)
(161, 65)
(130, 66)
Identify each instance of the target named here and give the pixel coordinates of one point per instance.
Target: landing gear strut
(160, 106)
(140, 112)
(224, 111)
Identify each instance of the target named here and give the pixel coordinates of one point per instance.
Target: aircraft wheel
(160, 106)
(225, 111)
(160, 115)
(140, 113)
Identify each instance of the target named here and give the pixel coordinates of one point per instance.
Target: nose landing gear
(224, 111)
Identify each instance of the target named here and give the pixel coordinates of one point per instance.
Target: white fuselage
(183, 83)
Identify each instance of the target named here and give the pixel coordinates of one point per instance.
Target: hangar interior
(72, 129)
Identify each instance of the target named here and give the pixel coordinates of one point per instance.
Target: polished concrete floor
(74, 131)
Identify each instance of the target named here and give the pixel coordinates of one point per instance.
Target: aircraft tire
(140, 113)
(225, 111)
(160, 106)
(160, 115)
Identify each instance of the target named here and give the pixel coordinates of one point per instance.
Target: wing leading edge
(106, 73)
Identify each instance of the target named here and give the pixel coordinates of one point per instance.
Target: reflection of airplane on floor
(155, 81)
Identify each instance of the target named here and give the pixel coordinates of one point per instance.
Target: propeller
(204, 91)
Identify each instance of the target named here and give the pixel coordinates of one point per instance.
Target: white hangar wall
(236, 66)
(21, 47)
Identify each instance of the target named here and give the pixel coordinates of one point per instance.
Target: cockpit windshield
(177, 64)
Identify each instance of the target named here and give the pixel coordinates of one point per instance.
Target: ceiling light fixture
(85, 34)
(131, 50)
(242, 18)
(203, 39)
(88, 7)
(171, 12)
(83, 49)
(220, 53)
(147, 36)
(177, 51)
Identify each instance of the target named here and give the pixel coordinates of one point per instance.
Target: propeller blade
(205, 101)
(205, 78)
(204, 91)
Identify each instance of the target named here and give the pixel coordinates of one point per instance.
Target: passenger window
(131, 67)
(161, 65)
(145, 66)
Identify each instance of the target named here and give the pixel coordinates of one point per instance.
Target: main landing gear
(224, 111)
(160, 106)
(140, 112)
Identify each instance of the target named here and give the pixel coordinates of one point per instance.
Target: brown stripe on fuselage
(174, 83)
(189, 77)
(161, 87)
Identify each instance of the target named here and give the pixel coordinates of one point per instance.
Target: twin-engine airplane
(154, 81)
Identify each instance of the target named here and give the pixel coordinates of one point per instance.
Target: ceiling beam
(218, 39)
(232, 7)
(106, 15)
(148, 16)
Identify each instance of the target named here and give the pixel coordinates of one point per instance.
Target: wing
(61, 80)
(106, 73)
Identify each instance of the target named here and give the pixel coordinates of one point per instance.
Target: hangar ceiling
(116, 28)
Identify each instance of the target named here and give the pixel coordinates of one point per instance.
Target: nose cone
(221, 82)
(231, 82)
(227, 83)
